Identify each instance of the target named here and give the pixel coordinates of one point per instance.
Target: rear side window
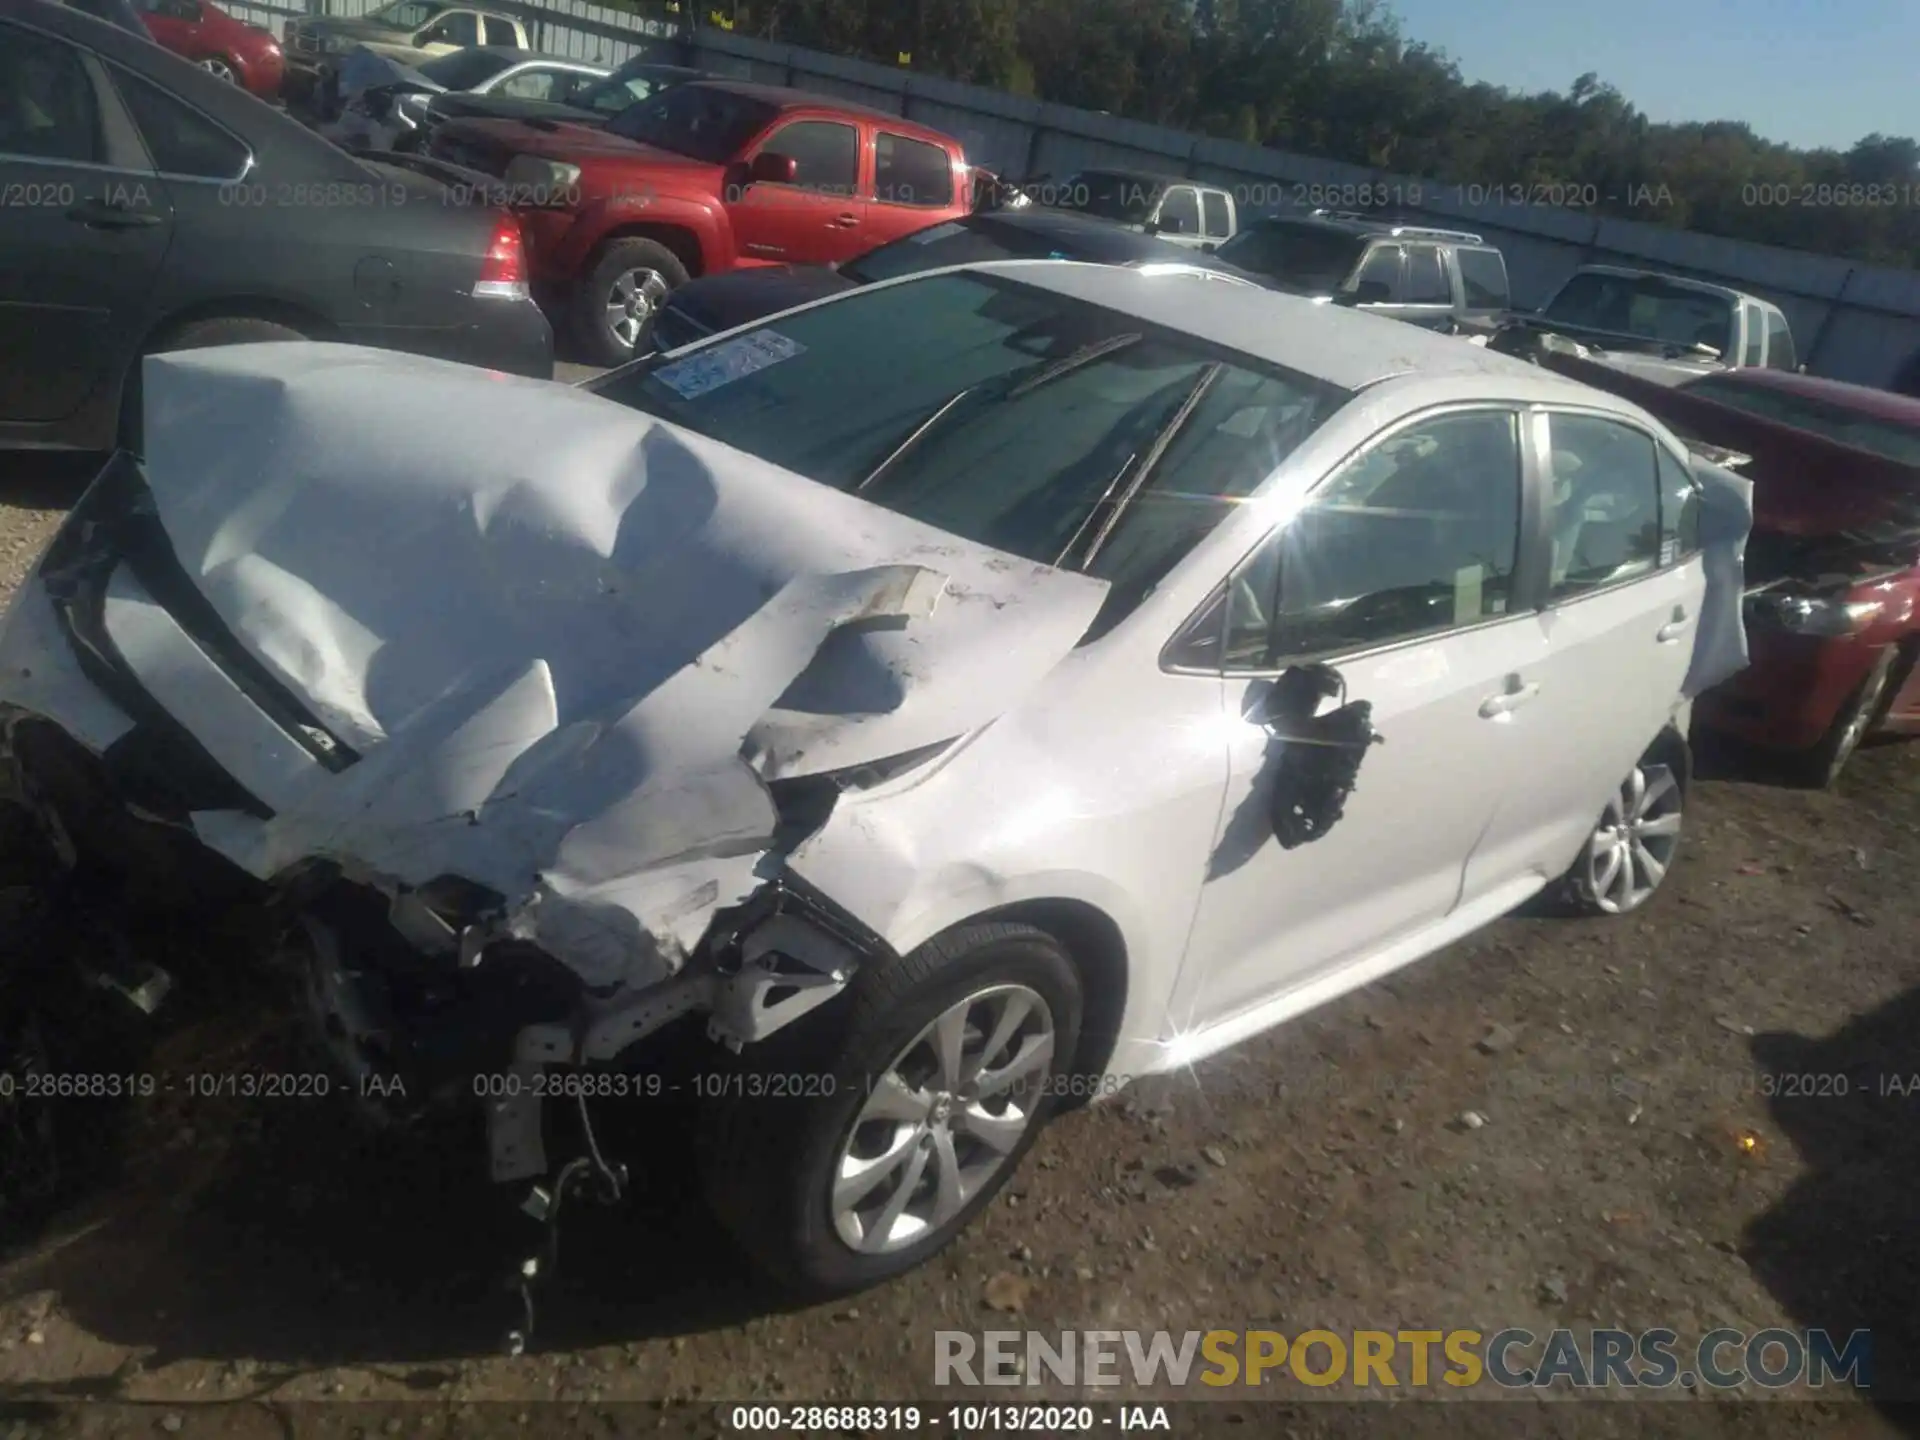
(1483, 278)
(1606, 504)
(1219, 224)
(1426, 281)
(47, 106)
(1780, 354)
(501, 32)
(826, 155)
(911, 172)
(181, 141)
(1180, 212)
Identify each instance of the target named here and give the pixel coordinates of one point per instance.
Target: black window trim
(246, 148)
(1540, 437)
(1529, 569)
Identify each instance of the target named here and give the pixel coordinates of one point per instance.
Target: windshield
(464, 69)
(1108, 194)
(405, 14)
(631, 83)
(1885, 438)
(698, 121)
(1306, 257)
(1644, 305)
(1010, 416)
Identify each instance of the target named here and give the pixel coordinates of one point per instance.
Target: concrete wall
(1852, 322)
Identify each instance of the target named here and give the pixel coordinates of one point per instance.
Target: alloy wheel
(219, 69)
(1634, 843)
(942, 1119)
(631, 301)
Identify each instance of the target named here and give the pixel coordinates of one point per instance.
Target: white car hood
(570, 644)
(362, 69)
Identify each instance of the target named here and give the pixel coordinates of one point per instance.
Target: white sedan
(965, 694)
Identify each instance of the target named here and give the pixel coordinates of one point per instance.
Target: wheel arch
(682, 240)
(1673, 750)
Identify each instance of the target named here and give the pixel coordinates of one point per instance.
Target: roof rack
(1399, 231)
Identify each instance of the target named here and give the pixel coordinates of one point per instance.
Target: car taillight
(503, 273)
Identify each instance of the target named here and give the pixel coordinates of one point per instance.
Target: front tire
(614, 306)
(944, 1069)
(221, 68)
(1819, 767)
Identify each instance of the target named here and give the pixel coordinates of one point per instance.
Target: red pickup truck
(709, 176)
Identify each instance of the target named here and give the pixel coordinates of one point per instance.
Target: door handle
(1508, 700)
(845, 222)
(1674, 628)
(99, 215)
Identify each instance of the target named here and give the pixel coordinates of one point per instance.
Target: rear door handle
(99, 215)
(845, 222)
(1508, 700)
(1674, 628)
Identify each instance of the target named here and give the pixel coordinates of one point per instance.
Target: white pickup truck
(407, 31)
(1664, 328)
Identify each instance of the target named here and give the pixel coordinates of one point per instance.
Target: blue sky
(1807, 72)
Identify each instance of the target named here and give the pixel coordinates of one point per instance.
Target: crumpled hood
(569, 645)
(365, 68)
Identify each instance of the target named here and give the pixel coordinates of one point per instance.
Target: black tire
(195, 335)
(595, 293)
(767, 1163)
(1818, 768)
(1579, 892)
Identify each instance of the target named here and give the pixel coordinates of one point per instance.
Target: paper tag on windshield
(726, 362)
(937, 232)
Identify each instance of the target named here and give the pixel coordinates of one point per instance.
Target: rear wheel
(944, 1070)
(1819, 767)
(615, 304)
(195, 335)
(1632, 848)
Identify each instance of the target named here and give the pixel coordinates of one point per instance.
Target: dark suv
(1447, 280)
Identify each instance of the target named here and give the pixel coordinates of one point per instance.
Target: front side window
(531, 85)
(1645, 306)
(1755, 341)
(181, 140)
(1219, 221)
(826, 155)
(1417, 536)
(1180, 212)
(1679, 508)
(457, 29)
(1002, 413)
(48, 110)
(1780, 354)
(1426, 281)
(1606, 504)
(1483, 278)
(911, 172)
(405, 14)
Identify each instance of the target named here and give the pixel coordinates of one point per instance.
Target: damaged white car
(959, 696)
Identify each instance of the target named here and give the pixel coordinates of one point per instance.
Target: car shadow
(1841, 1250)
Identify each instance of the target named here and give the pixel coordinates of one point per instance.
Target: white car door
(1399, 573)
(1622, 598)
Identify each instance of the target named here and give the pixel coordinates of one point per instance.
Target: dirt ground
(1632, 1169)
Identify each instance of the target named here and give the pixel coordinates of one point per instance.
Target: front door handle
(1508, 700)
(845, 222)
(100, 215)
(1674, 628)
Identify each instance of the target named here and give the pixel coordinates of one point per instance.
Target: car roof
(1629, 272)
(1861, 399)
(790, 99)
(1335, 344)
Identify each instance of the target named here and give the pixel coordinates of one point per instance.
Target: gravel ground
(1628, 1167)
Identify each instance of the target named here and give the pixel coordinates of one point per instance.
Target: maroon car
(1833, 563)
(202, 32)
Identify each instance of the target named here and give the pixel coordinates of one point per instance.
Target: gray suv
(1446, 280)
